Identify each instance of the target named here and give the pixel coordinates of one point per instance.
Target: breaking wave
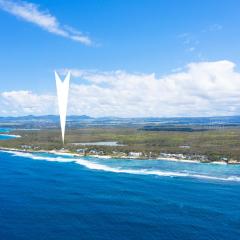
(101, 167)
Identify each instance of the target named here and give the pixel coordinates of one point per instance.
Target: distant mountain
(48, 118)
(224, 120)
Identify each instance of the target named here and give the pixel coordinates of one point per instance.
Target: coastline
(68, 153)
(10, 135)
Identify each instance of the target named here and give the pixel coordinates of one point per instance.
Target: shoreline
(67, 153)
(10, 135)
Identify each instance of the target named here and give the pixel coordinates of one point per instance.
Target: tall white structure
(62, 94)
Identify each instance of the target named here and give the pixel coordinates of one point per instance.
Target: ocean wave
(97, 166)
(101, 167)
(37, 157)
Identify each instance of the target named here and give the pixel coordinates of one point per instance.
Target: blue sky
(137, 37)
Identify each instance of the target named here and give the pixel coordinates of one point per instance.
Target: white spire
(62, 93)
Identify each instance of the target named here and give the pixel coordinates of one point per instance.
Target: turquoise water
(46, 196)
(5, 130)
(6, 135)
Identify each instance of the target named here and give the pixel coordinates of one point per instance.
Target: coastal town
(92, 152)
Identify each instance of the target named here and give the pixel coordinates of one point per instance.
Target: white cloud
(191, 41)
(200, 89)
(26, 102)
(30, 12)
(213, 28)
(205, 88)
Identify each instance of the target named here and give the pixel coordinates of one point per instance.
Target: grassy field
(215, 144)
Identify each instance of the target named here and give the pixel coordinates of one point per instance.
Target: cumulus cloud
(199, 89)
(30, 12)
(204, 88)
(26, 102)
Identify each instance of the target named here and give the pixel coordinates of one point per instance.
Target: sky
(135, 58)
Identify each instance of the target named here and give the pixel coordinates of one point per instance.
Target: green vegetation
(216, 144)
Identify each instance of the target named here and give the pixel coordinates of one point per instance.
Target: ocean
(47, 196)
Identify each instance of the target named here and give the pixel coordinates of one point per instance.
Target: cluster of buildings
(29, 147)
(133, 154)
(181, 156)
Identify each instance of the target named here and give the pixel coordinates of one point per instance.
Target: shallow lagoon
(112, 144)
(6, 135)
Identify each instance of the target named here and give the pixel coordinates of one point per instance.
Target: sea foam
(101, 167)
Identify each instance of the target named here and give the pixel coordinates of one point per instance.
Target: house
(81, 150)
(26, 147)
(135, 154)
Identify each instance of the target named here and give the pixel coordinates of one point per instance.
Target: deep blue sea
(47, 196)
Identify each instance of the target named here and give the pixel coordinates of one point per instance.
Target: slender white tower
(62, 94)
